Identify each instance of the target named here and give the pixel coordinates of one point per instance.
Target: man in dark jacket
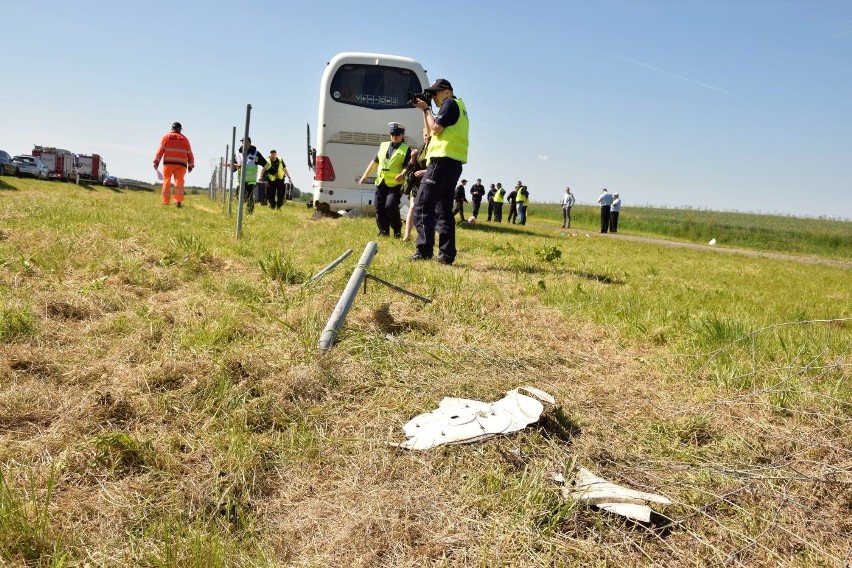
(477, 191)
(460, 200)
(510, 200)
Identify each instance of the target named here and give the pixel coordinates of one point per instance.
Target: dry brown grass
(270, 453)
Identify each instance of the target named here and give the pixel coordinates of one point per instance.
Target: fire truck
(92, 167)
(59, 162)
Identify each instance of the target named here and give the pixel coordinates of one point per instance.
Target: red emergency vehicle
(59, 162)
(92, 167)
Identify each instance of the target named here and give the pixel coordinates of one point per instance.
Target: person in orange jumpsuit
(176, 154)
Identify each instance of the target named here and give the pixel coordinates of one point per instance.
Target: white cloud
(540, 157)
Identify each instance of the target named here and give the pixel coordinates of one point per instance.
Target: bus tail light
(324, 169)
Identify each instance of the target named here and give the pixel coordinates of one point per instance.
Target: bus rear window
(374, 87)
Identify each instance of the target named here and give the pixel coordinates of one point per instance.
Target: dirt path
(748, 252)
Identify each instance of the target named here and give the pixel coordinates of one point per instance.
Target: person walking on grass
(567, 203)
(250, 159)
(460, 200)
(176, 155)
(391, 162)
(275, 170)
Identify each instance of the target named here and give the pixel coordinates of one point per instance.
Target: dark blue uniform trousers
(433, 209)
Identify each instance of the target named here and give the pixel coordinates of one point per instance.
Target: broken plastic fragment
(593, 490)
(458, 420)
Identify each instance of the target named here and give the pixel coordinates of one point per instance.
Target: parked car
(7, 168)
(111, 181)
(30, 166)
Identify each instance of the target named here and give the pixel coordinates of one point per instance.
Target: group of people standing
(517, 201)
(427, 174)
(610, 208)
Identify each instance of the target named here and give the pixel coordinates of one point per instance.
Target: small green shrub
(16, 323)
(549, 253)
(122, 452)
(280, 268)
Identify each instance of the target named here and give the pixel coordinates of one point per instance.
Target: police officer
(250, 159)
(275, 170)
(446, 155)
(522, 200)
(499, 199)
(491, 192)
(391, 162)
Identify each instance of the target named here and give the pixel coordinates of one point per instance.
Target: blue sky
(728, 105)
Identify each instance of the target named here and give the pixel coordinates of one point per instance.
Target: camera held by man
(426, 97)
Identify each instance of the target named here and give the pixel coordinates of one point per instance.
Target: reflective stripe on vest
(175, 150)
(390, 167)
(250, 165)
(452, 142)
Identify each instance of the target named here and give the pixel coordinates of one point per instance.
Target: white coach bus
(360, 93)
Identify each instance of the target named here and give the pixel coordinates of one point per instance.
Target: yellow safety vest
(279, 171)
(520, 198)
(390, 167)
(499, 197)
(452, 142)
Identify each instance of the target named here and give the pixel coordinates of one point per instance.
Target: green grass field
(163, 401)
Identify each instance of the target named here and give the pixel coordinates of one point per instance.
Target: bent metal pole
(335, 322)
(328, 268)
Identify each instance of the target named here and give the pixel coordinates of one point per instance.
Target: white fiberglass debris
(593, 490)
(459, 420)
(711, 242)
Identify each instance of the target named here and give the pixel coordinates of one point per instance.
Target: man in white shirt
(605, 201)
(567, 203)
(614, 209)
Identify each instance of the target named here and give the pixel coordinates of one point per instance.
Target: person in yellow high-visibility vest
(392, 164)
(499, 199)
(447, 153)
(522, 200)
(275, 170)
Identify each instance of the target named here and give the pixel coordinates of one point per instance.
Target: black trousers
(604, 218)
(433, 209)
(613, 221)
(490, 209)
(460, 210)
(275, 193)
(387, 209)
(476, 204)
(513, 213)
(498, 211)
